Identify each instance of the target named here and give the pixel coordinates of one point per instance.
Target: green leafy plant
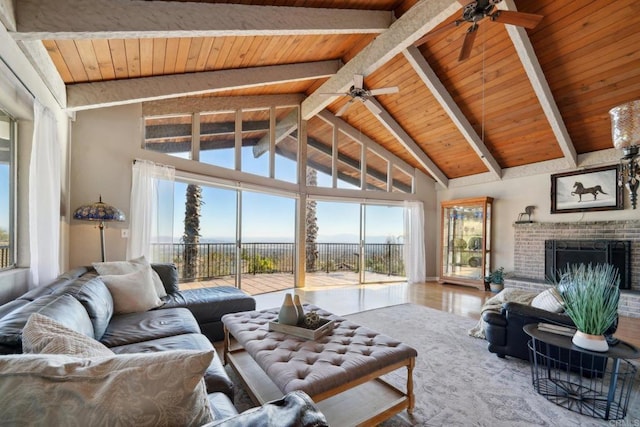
(497, 276)
(591, 296)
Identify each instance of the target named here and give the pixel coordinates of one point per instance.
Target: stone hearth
(529, 253)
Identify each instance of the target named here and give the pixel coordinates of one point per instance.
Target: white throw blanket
(495, 304)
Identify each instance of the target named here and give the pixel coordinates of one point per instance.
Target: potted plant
(590, 295)
(496, 279)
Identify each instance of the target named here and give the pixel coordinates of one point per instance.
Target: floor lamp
(101, 212)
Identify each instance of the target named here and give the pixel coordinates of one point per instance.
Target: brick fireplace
(529, 253)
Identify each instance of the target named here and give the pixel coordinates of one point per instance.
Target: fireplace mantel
(529, 249)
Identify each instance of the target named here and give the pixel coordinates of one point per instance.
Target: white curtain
(151, 216)
(414, 254)
(44, 198)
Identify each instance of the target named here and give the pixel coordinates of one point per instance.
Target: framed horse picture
(593, 189)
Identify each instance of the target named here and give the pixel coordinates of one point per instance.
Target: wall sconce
(102, 212)
(625, 128)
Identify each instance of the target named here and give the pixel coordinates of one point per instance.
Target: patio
(256, 284)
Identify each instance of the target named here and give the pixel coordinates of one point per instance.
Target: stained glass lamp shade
(101, 212)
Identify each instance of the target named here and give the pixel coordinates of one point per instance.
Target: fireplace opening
(559, 253)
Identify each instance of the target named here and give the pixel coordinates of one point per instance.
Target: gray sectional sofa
(188, 320)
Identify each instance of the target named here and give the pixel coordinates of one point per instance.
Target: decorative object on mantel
(591, 296)
(625, 129)
(594, 189)
(527, 211)
(101, 212)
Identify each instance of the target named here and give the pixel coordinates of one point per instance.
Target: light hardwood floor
(460, 300)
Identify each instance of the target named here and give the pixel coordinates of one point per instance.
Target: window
(169, 135)
(7, 179)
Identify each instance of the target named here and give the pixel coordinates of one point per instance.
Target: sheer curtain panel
(151, 217)
(44, 198)
(414, 253)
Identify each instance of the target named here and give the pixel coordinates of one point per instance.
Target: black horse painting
(580, 190)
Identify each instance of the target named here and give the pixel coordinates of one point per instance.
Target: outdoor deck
(256, 284)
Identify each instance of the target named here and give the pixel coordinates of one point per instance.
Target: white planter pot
(496, 287)
(590, 342)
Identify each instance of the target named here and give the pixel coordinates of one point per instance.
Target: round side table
(596, 384)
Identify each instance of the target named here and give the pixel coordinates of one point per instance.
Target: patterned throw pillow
(133, 292)
(165, 388)
(131, 266)
(41, 334)
(549, 300)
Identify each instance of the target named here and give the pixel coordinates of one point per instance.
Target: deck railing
(220, 259)
(4, 256)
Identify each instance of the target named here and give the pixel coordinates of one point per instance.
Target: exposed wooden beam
(188, 105)
(357, 135)
(417, 21)
(540, 86)
(431, 80)
(116, 92)
(127, 19)
(409, 144)
(283, 129)
(7, 14)
(42, 63)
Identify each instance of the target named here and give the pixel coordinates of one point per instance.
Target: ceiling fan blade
(344, 108)
(467, 44)
(358, 81)
(384, 90)
(422, 40)
(521, 19)
(372, 107)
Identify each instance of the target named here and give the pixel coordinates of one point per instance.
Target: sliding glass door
(353, 243)
(382, 228)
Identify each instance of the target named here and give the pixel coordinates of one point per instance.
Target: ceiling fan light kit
(357, 92)
(476, 11)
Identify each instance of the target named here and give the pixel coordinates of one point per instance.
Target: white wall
(511, 196)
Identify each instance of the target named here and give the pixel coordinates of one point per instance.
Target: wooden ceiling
(522, 97)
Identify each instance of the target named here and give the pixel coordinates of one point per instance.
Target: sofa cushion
(210, 304)
(126, 267)
(42, 334)
(137, 327)
(164, 388)
(215, 377)
(168, 273)
(221, 406)
(62, 308)
(132, 292)
(93, 294)
(549, 300)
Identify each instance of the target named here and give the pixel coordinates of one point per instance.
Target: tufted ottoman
(340, 371)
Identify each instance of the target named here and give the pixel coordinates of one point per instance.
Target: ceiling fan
(357, 92)
(476, 11)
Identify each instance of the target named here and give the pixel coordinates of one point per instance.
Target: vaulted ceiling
(523, 96)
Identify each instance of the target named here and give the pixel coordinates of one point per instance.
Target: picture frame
(586, 190)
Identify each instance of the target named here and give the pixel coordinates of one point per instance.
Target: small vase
(288, 314)
(300, 310)
(590, 342)
(496, 287)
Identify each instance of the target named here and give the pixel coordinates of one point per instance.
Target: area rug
(458, 382)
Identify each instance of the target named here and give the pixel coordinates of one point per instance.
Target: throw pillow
(133, 292)
(41, 334)
(156, 389)
(125, 267)
(549, 300)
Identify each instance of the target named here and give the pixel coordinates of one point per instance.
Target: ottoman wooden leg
(410, 395)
